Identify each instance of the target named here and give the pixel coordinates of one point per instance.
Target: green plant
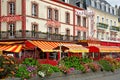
(55, 69)
(94, 66)
(105, 65)
(27, 69)
(85, 60)
(22, 72)
(73, 62)
(45, 69)
(30, 62)
(64, 69)
(8, 66)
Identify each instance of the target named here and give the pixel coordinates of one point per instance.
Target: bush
(94, 67)
(8, 66)
(22, 72)
(47, 70)
(30, 62)
(105, 65)
(73, 62)
(27, 69)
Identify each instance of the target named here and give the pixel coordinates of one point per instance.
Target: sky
(114, 2)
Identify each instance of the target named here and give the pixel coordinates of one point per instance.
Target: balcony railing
(34, 35)
(115, 28)
(102, 25)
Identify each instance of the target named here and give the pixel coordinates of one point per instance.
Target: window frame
(67, 18)
(49, 13)
(78, 20)
(34, 14)
(56, 15)
(84, 22)
(13, 12)
(34, 29)
(11, 32)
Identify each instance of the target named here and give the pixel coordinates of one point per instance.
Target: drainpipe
(73, 23)
(23, 18)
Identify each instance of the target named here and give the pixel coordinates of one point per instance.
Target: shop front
(50, 52)
(98, 49)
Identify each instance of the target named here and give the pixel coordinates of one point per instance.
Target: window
(102, 36)
(78, 4)
(107, 36)
(114, 23)
(100, 6)
(34, 29)
(113, 11)
(49, 29)
(84, 35)
(106, 21)
(78, 20)
(34, 9)
(63, 0)
(104, 8)
(68, 18)
(53, 56)
(102, 20)
(11, 29)
(90, 2)
(79, 34)
(109, 9)
(43, 55)
(97, 19)
(11, 8)
(56, 31)
(67, 34)
(110, 22)
(56, 15)
(84, 22)
(49, 32)
(98, 34)
(95, 5)
(50, 13)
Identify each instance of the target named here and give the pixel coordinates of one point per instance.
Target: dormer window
(63, 0)
(95, 4)
(66, 1)
(78, 4)
(113, 11)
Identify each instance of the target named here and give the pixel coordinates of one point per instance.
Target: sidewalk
(90, 76)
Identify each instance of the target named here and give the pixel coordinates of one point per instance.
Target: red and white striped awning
(11, 48)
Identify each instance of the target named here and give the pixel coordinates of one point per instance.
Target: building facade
(41, 19)
(106, 24)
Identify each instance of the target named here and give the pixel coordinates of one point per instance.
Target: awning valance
(73, 48)
(49, 46)
(104, 49)
(11, 48)
(109, 48)
(45, 46)
(11, 42)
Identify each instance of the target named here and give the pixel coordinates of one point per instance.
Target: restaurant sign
(85, 12)
(10, 18)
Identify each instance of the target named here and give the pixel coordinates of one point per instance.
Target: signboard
(84, 12)
(11, 18)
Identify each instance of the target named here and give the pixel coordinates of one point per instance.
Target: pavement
(90, 76)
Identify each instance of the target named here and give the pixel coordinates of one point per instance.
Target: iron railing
(35, 35)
